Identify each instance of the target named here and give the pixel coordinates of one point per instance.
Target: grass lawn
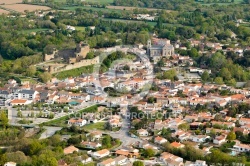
(61, 122)
(79, 28)
(94, 126)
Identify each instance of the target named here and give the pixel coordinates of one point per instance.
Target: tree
(18, 157)
(106, 141)
(90, 55)
(184, 126)
(149, 152)
(45, 77)
(219, 80)
(138, 163)
(35, 147)
(225, 74)
(4, 119)
(205, 76)
(231, 136)
(193, 52)
(1, 59)
(31, 70)
(151, 100)
(19, 114)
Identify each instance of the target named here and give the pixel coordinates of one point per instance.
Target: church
(160, 48)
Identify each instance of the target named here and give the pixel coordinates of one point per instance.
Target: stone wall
(48, 57)
(85, 62)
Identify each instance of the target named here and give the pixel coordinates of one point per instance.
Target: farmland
(100, 1)
(3, 11)
(22, 7)
(10, 1)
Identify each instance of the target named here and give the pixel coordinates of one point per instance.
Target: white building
(101, 153)
(77, 122)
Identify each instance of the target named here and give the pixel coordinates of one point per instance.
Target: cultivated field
(3, 11)
(10, 1)
(23, 7)
(131, 8)
(100, 1)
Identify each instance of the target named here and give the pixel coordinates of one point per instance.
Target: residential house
(96, 135)
(10, 164)
(200, 138)
(244, 121)
(191, 118)
(182, 135)
(101, 153)
(243, 130)
(107, 162)
(196, 163)
(120, 160)
(218, 140)
(169, 158)
(92, 145)
(70, 149)
(239, 147)
(160, 140)
(142, 132)
(177, 145)
(128, 152)
(87, 160)
(20, 102)
(77, 122)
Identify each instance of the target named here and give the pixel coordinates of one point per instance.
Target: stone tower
(148, 45)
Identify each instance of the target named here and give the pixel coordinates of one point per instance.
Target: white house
(219, 139)
(101, 153)
(244, 121)
(92, 145)
(142, 132)
(77, 122)
(10, 164)
(107, 162)
(199, 138)
(239, 147)
(160, 140)
(120, 160)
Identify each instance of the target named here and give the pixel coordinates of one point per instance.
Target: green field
(100, 1)
(74, 72)
(95, 126)
(78, 28)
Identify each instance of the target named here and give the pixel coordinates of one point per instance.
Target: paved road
(49, 131)
(123, 134)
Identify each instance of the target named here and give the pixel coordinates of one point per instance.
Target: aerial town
(96, 92)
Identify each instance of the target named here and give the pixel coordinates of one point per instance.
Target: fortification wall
(85, 62)
(48, 57)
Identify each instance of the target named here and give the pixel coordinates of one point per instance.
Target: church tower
(148, 46)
